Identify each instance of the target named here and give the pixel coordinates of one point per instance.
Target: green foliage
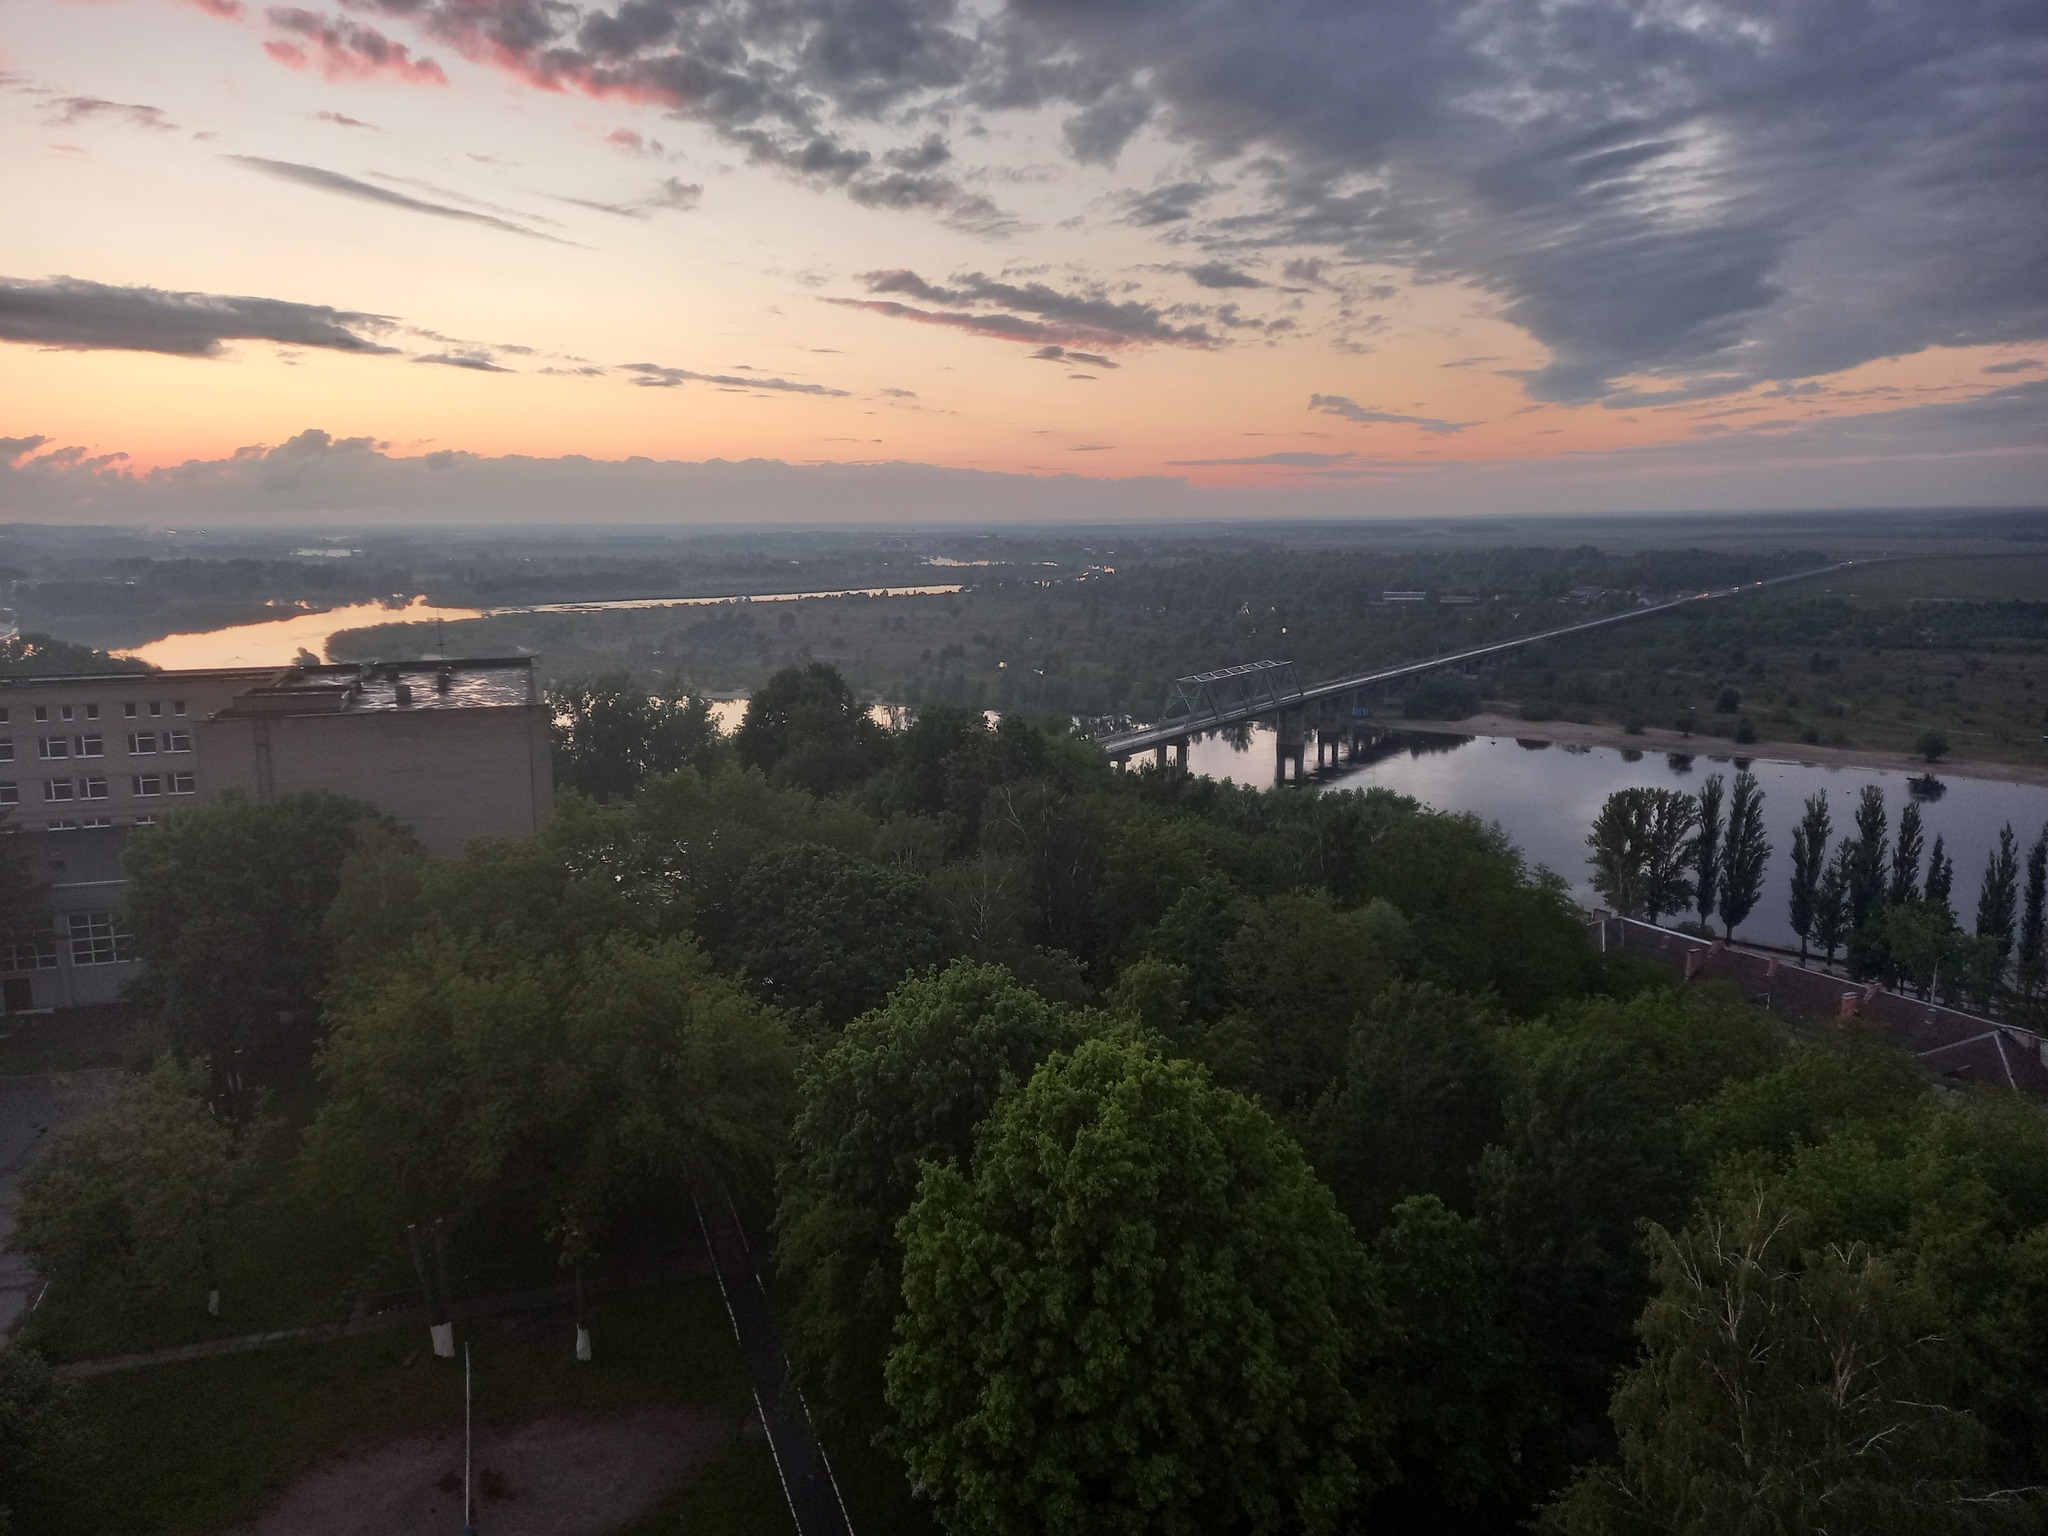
(822, 933)
(611, 735)
(804, 727)
(134, 1203)
(40, 1443)
(902, 1087)
(1644, 842)
(37, 655)
(460, 1075)
(1838, 1082)
(226, 903)
(1744, 853)
(1788, 1389)
(1421, 1099)
(1139, 1313)
(1931, 745)
(1439, 697)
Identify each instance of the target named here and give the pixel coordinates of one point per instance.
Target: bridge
(1334, 711)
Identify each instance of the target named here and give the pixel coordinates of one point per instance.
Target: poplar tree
(1707, 848)
(1809, 859)
(1867, 866)
(2033, 961)
(1941, 881)
(1831, 902)
(1906, 857)
(1998, 900)
(1744, 854)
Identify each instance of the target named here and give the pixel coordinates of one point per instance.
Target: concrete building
(453, 750)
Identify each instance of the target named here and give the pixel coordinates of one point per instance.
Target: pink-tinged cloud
(345, 50)
(227, 10)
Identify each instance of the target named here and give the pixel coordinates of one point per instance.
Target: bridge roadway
(1125, 744)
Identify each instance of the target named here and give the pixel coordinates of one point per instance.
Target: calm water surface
(1545, 798)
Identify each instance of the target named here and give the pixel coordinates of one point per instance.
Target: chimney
(1849, 1004)
(403, 693)
(1693, 959)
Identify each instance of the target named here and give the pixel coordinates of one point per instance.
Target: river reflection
(1545, 796)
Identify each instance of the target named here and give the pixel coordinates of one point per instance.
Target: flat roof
(141, 674)
(348, 688)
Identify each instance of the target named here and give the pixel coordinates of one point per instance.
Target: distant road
(1128, 743)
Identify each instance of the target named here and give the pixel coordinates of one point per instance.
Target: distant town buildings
(453, 750)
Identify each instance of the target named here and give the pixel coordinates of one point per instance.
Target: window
(96, 821)
(51, 748)
(177, 706)
(67, 824)
(59, 789)
(141, 743)
(92, 746)
(7, 750)
(32, 946)
(42, 711)
(10, 794)
(94, 941)
(145, 819)
(92, 711)
(128, 710)
(177, 741)
(93, 789)
(156, 706)
(184, 783)
(3, 717)
(148, 784)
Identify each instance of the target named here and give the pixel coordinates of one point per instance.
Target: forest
(1137, 1152)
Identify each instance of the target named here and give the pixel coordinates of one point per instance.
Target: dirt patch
(548, 1477)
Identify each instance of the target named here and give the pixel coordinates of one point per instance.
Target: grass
(1985, 578)
(186, 1450)
(736, 1492)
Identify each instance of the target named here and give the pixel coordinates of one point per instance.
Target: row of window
(150, 707)
(140, 744)
(94, 787)
(93, 937)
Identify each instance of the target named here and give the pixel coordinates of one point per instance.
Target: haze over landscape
(457, 259)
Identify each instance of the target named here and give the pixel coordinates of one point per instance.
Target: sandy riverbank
(1566, 733)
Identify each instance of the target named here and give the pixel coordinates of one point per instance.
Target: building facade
(452, 750)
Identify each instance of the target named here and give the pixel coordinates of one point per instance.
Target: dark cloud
(1098, 133)
(1351, 410)
(1221, 274)
(70, 314)
(928, 154)
(1054, 354)
(1170, 204)
(343, 120)
(69, 111)
(655, 376)
(672, 194)
(476, 362)
(347, 186)
(14, 449)
(1062, 318)
(342, 49)
(2017, 365)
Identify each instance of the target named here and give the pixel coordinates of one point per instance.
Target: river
(274, 642)
(1545, 797)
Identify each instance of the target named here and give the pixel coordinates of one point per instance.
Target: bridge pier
(1180, 754)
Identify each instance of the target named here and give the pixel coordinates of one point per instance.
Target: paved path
(807, 1479)
(30, 1109)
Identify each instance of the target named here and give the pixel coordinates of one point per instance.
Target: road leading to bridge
(1166, 732)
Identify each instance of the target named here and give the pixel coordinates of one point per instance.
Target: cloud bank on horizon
(1309, 253)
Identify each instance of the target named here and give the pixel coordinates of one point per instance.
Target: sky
(713, 260)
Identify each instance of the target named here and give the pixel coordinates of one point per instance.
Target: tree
(815, 930)
(1745, 854)
(1941, 880)
(899, 1088)
(1867, 864)
(2032, 969)
(1809, 860)
(1138, 1313)
(136, 1199)
(40, 1440)
(226, 903)
(1998, 899)
(1643, 844)
(1421, 1099)
(1707, 848)
(1932, 746)
(611, 735)
(1831, 902)
(805, 727)
(1905, 883)
(1786, 1391)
